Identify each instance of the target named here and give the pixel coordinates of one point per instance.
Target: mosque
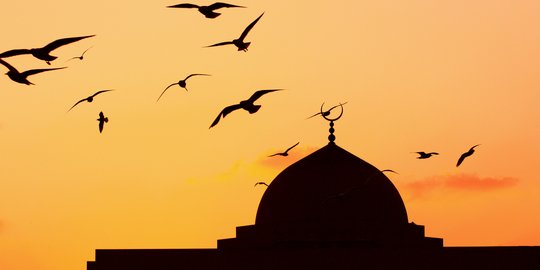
(329, 210)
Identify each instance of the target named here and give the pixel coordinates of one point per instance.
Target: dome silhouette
(330, 198)
(332, 189)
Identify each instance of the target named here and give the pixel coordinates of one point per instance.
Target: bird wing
(314, 115)
(10, 67)
(260, 93)
(224, 113)
(63, 41)
(220, 44)
(218, 5)
(277, 154)
(472, 148)
(15, 52)
(248, 28)
(164, 91)
(185, 5)
(461, 158)
(291, 147)
(76, 104)
(388, 170)
(340, 104)
(36, 71)
(196, 75)
(101, 123)
(86, 50)
(230, 109)
(102, 91)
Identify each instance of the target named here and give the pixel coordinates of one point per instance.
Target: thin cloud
(460, 182)
(280, 162)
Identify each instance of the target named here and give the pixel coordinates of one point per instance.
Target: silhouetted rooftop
(332, 185)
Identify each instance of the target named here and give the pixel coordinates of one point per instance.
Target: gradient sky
(417, 75)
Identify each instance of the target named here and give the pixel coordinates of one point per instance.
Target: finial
(324, 114)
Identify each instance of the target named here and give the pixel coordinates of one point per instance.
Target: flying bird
(181, 83)
(424, 155)
(245, 104)
(90, 98)
(44, 53)
(261, 183)
(22, 77)
(388, 170)
(239, 42)
(102, 120)
(286, 153)
(327, 113)
(79, 57)
(466, 154)
(207, 11)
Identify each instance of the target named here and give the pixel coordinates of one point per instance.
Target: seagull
(286, 153)
(388, 170)
(90, 98)
(102, 120)
(79, 57)
(327, 113)
(261, 183)
(466, 154)
(181, 83)
(245, 104)
(207, 11)
(22, 77)
(239, 43)
(424, 155)
(44, 52)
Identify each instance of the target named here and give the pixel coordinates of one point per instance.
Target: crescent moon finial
(325, 114)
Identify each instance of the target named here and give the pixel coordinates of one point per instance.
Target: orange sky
(417, 76)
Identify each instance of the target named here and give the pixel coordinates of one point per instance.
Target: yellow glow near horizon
(417, 76)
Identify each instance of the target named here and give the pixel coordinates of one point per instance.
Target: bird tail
(244, 46)
(254, 109)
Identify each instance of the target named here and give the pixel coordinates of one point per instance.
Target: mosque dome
(330, 191)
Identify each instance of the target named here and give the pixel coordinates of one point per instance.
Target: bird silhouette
(90, 98)
(239, 42)
(466, 154)
(388, 170)
(181, 83)
(44, 53)
(424, 155)
(22, 77)
(286, 153)
(207, 11)
(327, 113)
(245, 104)
(102, 120)
(261, 183)
(79, 57)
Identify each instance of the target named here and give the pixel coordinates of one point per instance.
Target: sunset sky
(418, 75)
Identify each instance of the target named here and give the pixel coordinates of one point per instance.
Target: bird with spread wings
(44, 53)
(207, 11)
(239, 42)
(245, 104)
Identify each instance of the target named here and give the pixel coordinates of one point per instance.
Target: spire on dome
(325, 115)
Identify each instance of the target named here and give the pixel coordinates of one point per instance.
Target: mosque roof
(332, 186)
